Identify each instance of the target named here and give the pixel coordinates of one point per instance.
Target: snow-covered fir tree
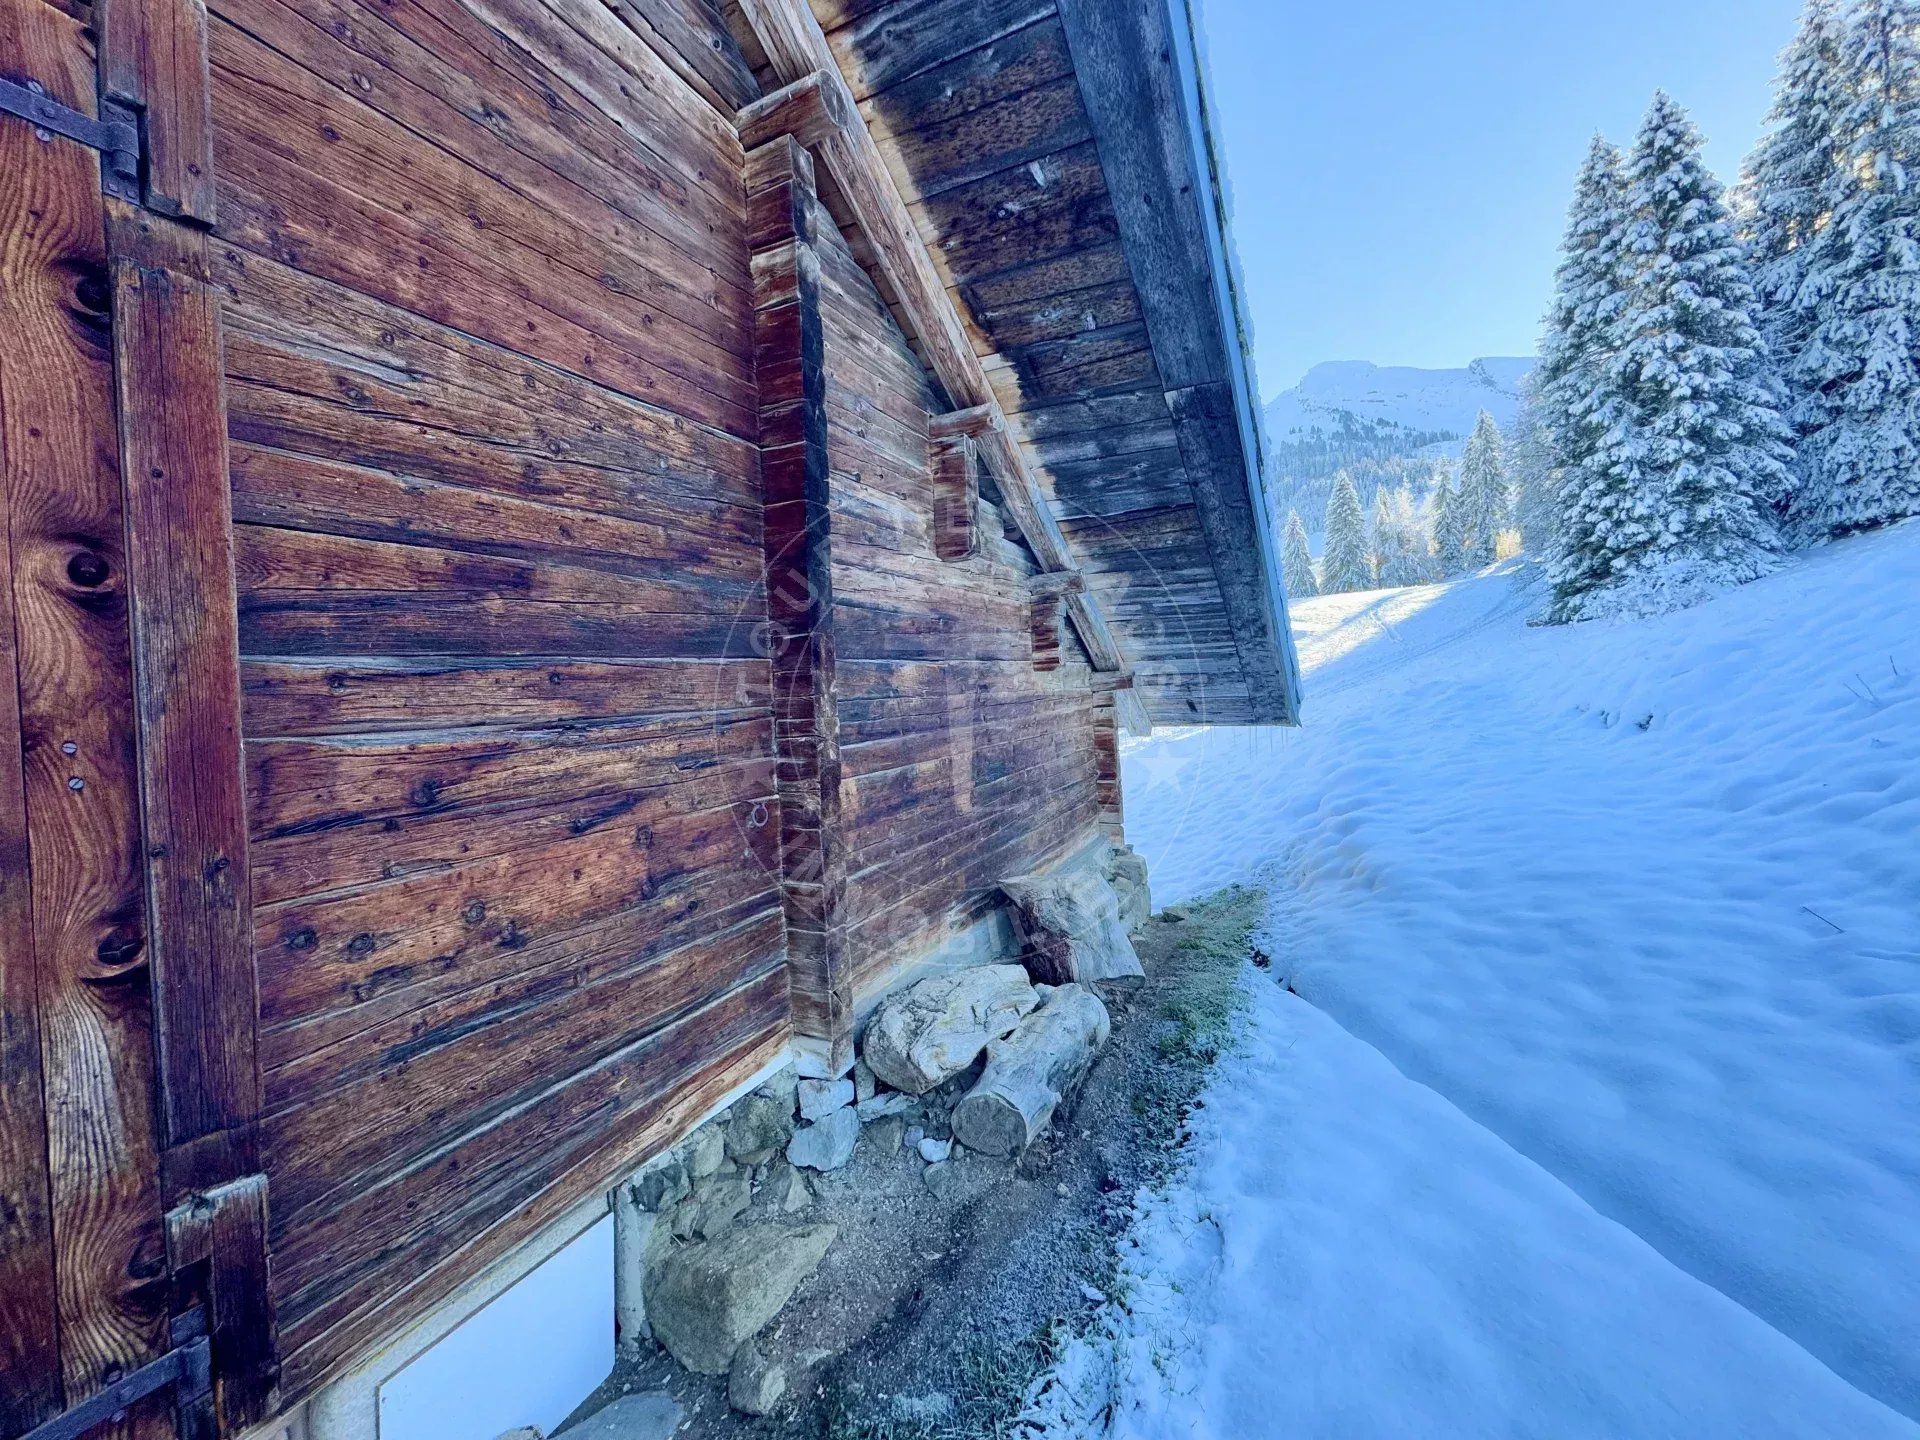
(1678, 503)
(1451, 548)
(1787, 183)
(1573, 386)
(1296, 560)
(1531, 475)
(1401, 550)
(1483, 492)
(1857, 377)
(1343, 563)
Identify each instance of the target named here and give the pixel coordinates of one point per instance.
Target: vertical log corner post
(1047, 596)
(956, 497)
(183, 620)
(1106, 756)
(954, 441)
(790, 368)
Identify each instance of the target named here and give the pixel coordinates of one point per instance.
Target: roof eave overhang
(1141, 80)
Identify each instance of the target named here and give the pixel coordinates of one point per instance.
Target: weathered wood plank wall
(961, 763)
(497, 493)
(472, 789)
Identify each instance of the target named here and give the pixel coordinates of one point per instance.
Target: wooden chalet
(555, 549)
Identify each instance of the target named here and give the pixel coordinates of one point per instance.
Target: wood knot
(88, 570)
(118, 948)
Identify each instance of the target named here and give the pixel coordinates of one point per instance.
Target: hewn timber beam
(972, 422)
(797, 50)
(810, 109)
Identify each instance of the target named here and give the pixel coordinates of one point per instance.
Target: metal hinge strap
(116, 134)
(186, 1368)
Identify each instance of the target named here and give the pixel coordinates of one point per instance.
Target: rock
(878, 1107)
(864, 1083)
(792, 1193)
(755, 1384)
(1127, 874)
(780, 1086)
(662, 1185)
(823, 1097)
(934, 1151)
(640, 1238)
(827, 1143)
(650, 1415)
(915, 1134)
(705, 1300)
(884, 1135)
(717, 1202)
(782, 1188)
(759, 1129)
(932, 1030)
(524, 1432)
(706, 1151)
(1028, 1072)
(1069, 921)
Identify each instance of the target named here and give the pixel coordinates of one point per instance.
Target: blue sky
(1401, 168)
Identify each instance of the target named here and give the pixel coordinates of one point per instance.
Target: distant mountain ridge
(1357, 394)
(1387, 424)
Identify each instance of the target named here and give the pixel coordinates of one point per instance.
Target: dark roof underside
(1046, 153)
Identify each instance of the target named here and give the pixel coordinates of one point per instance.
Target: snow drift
(1640, 901)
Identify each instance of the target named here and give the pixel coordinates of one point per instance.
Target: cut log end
(1030, 1071)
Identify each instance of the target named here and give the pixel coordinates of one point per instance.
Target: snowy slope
(1344, 393)
(1352, 1257)
(1640, 899)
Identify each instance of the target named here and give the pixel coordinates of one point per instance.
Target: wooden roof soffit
(816, 107)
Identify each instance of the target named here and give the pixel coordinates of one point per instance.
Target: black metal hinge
(187, 1369)
(116, 134)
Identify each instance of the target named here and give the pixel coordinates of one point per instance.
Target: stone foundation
(714, 1237)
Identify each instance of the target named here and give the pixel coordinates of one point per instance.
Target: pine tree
(1573, 386)
(1379, 536)
(1450, 535)
(1858, 376)
(1788, 181)
(1400, 546)
(1483, 492)
(1343, 564)
(1296, 560)
(1680, 498)
(1533, 474)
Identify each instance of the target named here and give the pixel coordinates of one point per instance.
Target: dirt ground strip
(933, 1312)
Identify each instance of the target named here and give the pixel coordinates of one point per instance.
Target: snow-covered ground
(1598, 1110)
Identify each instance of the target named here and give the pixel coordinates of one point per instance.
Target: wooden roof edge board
(796, 48)
(1140, 81)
